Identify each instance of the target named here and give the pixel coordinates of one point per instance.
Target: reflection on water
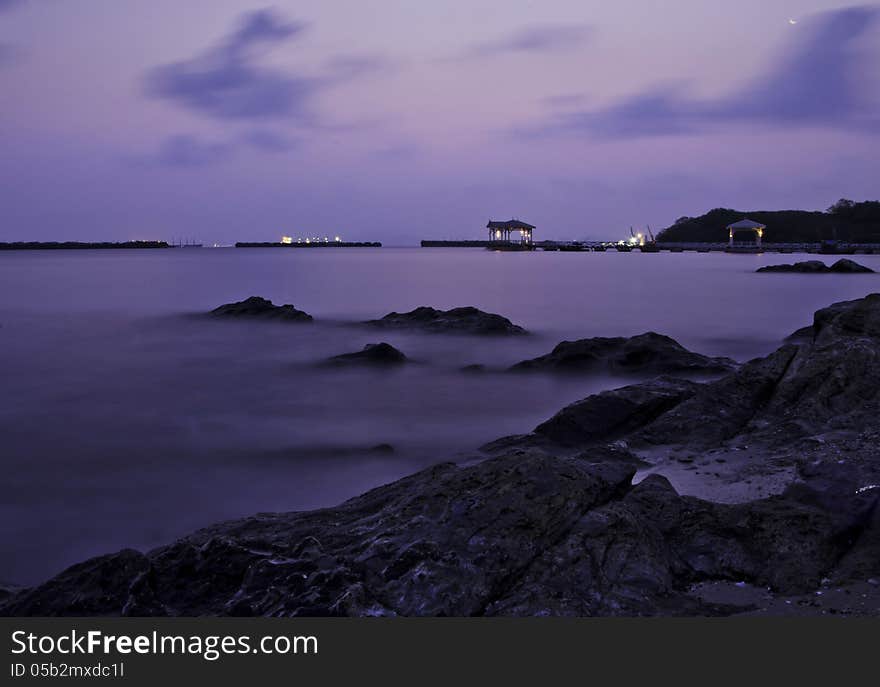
(127, 421)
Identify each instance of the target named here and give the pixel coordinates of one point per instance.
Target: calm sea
(127, 421)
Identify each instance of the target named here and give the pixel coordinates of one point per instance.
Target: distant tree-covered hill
(846, 221)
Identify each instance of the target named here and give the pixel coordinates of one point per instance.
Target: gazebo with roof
(499, 232)
(746, 225)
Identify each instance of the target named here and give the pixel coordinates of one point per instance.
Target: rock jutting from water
(647, 353)
(261, 308)
(842, 266)
(467, 320)
(557, 523)
(372, 355)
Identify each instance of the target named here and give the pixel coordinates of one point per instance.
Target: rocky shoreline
(586, 515)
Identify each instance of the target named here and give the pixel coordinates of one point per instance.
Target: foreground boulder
(524, 534)
(647, 353)
(467, 320)
(372, 355)
(603, 417)
(842, 266)
(261, 308)
(827, 380)
(446, 541)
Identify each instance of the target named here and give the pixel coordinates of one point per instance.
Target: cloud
(268, 141)
(535, 39)
(185, 151)
(817, 83)
(344, 67)
(226, 83)
(188, 151)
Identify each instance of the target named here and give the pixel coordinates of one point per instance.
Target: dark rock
(720, 410)
(805, 267)
(842, 266)
(525, 534)
(849, 318)
(847, 266)
(377, 354)
(8, 590)
(802, 334)
(261, 308)
(817, 401)
(474, 368)
(648, 353)
(382, 448)
(637, 555)
(456, 321)
(445, 541)
(617, 413)
(98, 586)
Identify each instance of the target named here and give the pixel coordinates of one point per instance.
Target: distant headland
(846, 221)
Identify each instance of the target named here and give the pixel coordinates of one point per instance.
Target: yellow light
(337, 239)
(286, 239)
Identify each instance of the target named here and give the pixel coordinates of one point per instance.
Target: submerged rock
(648, 353)
(467, 320)
(474, 368)
(842, 266)
(374, 354)
(847, 266)
(261, 308)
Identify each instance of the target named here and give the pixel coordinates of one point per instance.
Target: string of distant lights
(288, 240)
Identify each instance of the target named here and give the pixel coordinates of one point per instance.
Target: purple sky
(393, 120)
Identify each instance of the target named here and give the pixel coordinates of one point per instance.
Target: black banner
(412, 651)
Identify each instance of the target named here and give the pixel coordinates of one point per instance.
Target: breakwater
(80, 245)
(313, 244)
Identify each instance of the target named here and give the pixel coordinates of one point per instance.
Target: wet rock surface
(577, 518)
(467, 320)
(603, 417)
(372, 355)
(842, 266)
(261, 308)
(649, 353)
